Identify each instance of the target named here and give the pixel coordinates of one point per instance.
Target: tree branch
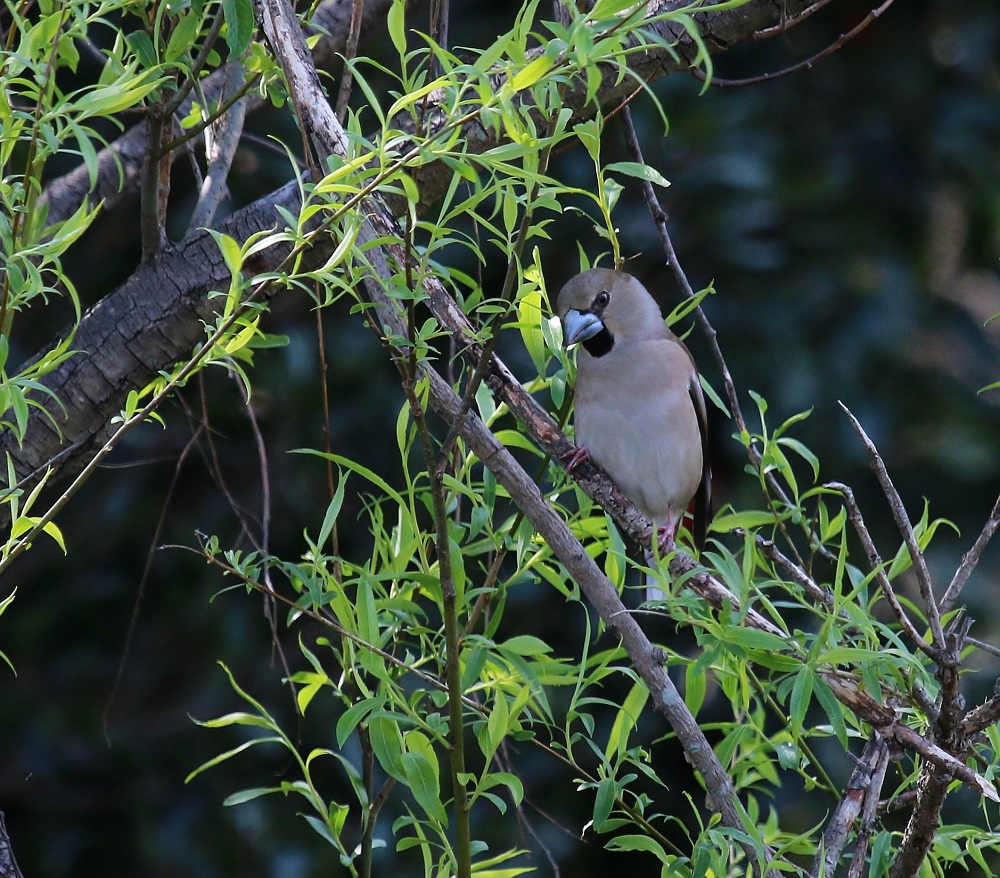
(971, 559)
(862, 788)
(8, 865)
(906, 529)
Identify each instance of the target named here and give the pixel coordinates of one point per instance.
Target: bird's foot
(574, 457)
(665, 537)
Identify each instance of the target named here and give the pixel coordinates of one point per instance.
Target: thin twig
(350, 52)
(140, 594)
(984, 646)
(905, 528)
(807, 64)
(984, 716)
(786, 24)
(971, 559)
(809, 585)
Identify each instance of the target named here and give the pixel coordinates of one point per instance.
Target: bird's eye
(602, 298)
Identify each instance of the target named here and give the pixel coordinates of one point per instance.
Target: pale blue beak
(579, 326)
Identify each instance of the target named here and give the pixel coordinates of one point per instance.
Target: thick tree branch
(8, 865)
(146, 325)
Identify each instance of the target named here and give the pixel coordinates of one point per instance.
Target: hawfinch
(640, 413)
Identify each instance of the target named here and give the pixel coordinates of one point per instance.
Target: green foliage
(411, 655)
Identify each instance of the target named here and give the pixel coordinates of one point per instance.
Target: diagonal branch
(557, 534)
(971, 559)
(906, 529)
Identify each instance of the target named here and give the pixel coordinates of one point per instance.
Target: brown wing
(703, 498)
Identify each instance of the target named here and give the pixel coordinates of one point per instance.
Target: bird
(639, 407)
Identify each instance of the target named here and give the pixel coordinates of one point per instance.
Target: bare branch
(868, 816)
(350, 53)
(971, 559)
(984, 716)
(809, 585)
(221, 140)
(863, 787)
(807, 64)
(905, 528)
(922, 827)
(887, 723)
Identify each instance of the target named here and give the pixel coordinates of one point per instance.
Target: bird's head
(601, 306)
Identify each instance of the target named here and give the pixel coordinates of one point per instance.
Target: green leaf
(387, 742)
(497, 724)
(694, 688)
(239, 17)
(249, 795)
(183, 38)
(604, 802)
(332, 511)
(751, 638)
(422, 780)
(802, 690)
(748, 520)
(833, 709)
(638, 843)
(528, 76)
(625, 721)
(368, 628)
(525, 644)
(396, 21)
(608, 8)
(110, 99)
(640, 172)
(353, 715)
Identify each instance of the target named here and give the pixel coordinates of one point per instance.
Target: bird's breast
(636, 418)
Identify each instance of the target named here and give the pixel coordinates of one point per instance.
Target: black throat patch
(598, 345)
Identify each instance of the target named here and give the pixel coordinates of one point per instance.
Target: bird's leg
(574, 457)
(666, 533)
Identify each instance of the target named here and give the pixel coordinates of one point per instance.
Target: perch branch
(379, 228)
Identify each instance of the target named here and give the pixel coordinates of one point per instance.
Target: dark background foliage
(849, 218)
